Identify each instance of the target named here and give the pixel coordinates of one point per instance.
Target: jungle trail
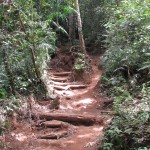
(74, 119)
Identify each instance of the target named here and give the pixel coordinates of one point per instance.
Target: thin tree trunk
(81, 39)
(71, 24)
(33, 61)
(71, 20)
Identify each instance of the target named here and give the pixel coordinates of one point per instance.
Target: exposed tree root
(70, 87)
(77, 86)
(60, 83)
(72, 118)
(53, 135)
(63, 84)
(59, 79)
(61, 87)
(54, 124)
(58, 92)
(61, 73)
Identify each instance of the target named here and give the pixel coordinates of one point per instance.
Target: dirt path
(75, 124)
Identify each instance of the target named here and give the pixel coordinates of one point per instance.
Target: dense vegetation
(27, 42)
(127, 75)
(31, 31)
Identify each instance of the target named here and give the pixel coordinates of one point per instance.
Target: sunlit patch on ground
(98, 129)
(64, 107)
(20, 136)
(83, 103)
(85, 135)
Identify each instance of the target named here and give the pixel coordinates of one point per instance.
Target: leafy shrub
(126, 76)
(129, 129)
(26, 42)
(127, 39)
(80, 63)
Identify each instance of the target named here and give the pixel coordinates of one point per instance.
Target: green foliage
(146, 64)
(11, 104)
(127, 39)
(80, 63)
(4, 126)
(26, 43)
(97, 10)
(129, 128)
(126, 77)
(3, 93)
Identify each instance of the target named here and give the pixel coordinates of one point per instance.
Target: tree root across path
(61, 73)
(60, 83)
(69, 87)
(59, 79)
(54, 124)
(53, 135)
(72, 118)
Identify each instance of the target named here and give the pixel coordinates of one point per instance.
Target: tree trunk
(53, 124)
(53, 136)
(71, 20)
(71, 24)
(81, 39)
(72, 118)
(37, 73)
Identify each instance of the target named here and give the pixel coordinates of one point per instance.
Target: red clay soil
(76, 124)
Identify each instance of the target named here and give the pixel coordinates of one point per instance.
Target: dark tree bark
(71, 28)
(71, 25)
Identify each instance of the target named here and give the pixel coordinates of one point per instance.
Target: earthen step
(61, 73)
(64, 84)
(53, 136)
(59, 79)
(53, 124)
(73, 87)
(72, 118)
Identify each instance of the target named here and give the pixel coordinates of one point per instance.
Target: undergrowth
(81, 63)
(130, 127)
(127, 76)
